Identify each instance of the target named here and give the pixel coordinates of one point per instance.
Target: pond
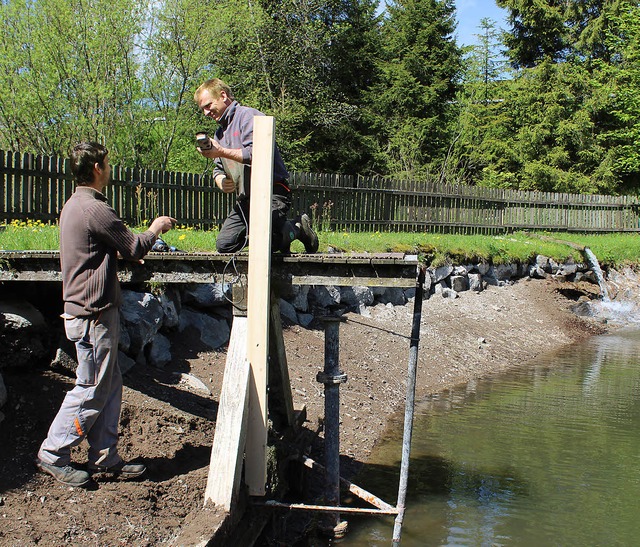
(547, 454)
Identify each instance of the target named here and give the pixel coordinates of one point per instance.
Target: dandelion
(183, 237)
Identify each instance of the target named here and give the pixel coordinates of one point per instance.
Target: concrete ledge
(373, 270)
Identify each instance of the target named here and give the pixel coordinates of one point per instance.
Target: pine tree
(413, 100)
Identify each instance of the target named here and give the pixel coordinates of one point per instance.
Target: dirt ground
(168, 417)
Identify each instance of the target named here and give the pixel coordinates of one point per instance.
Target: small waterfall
(595, 266)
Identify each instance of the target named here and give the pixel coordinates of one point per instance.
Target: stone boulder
(24, 334)
(3, 392)
(357, 297)
(207, 295)
(214, 333)
(324, 296)
(159, 351)
(142, 317)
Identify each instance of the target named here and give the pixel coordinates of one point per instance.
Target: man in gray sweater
(91, 237)
(232, 148)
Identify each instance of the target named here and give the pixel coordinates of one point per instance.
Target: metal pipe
(331, 377)
(353, 488)
(409, 406)
(325, 508)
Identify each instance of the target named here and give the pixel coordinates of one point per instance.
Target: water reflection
(544, 455)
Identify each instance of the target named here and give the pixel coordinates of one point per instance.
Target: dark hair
(83, 157)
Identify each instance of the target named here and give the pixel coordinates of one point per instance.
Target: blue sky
(469, 13)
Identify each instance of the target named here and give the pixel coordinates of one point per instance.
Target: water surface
(548, 454)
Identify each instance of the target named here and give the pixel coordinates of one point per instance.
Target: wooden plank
(4, 198)
(258, 301)
(280, 398)
(223, 482)
(344, 281)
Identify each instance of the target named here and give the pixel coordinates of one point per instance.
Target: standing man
(91, 236)
(231, 148)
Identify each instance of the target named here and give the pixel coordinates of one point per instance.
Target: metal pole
(409, 406)
(331, 377)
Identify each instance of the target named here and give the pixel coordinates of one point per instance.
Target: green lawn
(612, 250)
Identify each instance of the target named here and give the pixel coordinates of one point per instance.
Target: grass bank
(612, 250)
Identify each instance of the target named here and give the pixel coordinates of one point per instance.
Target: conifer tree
(418, 75)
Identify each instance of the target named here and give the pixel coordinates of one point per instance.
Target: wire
(232, 261)
(207, 165)
(349, 320)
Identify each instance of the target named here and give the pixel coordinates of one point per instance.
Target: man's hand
(225, 184)
(216, 151)
(162, 224)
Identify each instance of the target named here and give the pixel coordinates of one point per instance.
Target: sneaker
(307, 235)
(121, 469)
(65, 474)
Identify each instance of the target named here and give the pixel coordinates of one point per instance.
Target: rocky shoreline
(149, 317)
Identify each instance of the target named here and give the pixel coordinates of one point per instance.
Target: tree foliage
(418, 74)
(67, 74)
(619, 80)
(353, 90)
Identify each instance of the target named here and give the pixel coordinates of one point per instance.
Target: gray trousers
(91, 410)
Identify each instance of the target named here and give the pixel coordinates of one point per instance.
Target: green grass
(612, 250)
(191, 240)
(29, 235)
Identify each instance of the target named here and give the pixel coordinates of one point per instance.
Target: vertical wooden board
(13, 180)
(165, 195)
(258, 301)
(280, 385)
(27, 184)
(49, 185)
(16, 204)
(3, 176)
(223, 482)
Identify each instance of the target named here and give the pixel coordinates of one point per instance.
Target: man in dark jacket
(232, 148)
(91, 237)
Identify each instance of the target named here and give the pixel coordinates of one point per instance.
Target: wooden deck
(373, 270)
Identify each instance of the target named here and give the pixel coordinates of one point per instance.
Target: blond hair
(215, 86)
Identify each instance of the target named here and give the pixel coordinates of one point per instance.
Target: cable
(207, 166)
(232, 261)
(378, 328)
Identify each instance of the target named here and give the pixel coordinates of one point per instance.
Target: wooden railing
(34, 187)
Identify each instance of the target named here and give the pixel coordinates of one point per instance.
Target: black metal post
(331, 377)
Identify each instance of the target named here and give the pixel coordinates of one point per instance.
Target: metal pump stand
(331, 377)
(409, 407)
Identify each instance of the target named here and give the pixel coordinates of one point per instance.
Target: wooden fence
(35, 187)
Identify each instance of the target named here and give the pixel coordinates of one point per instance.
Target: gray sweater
(91, 235)
(236, 131)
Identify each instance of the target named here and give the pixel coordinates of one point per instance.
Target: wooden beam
(280, 398)
(258, 308)
(225, 468)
